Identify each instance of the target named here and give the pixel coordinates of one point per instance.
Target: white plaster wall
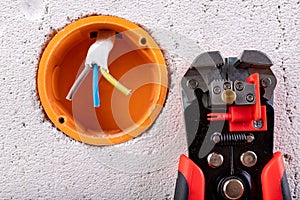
(39, 162)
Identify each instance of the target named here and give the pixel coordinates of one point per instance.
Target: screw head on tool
(227, 86)
(233, 188)
(239, 86)
(214, 160)
(250, 97)
(250, 138)
(216, 137)
(258, 124)
(266, 82)
(193, 84)
(249, 158)
(217, 90)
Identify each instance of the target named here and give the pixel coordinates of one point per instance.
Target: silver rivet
(250, 138)
(248, 159)
(217, 90)
(233, 189)
(215, 160)
(193, 84)
(239, 86)
(227, 86)
(250, 97)
(266, 82)
(258, 124)
(216, 137)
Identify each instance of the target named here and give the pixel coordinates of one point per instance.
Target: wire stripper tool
(229, 122)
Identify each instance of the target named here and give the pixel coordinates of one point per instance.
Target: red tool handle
(274, 182)
(190, 182)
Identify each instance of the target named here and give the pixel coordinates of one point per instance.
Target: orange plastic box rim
(135, 60)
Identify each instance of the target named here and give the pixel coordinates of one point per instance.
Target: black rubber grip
(182, 188)
(286, 195)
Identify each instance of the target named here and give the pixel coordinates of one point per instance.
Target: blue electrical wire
(95, 86)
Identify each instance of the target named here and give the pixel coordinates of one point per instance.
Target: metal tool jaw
(229, 122)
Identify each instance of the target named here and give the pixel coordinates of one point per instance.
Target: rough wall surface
(39, 162)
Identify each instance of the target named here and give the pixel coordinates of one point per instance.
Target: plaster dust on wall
(38, 161)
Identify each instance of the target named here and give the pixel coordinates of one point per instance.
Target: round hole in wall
(119, 117)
